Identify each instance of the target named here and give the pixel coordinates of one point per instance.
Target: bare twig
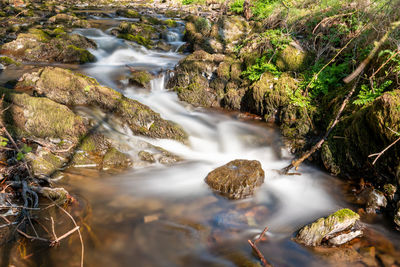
(79, 232)
(257, 251)
(378, 155)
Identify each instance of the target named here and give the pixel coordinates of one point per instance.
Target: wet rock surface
(237, 179)
(336, 229)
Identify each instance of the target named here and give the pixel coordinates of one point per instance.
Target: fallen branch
(257, 251)
(296, 163)
(378, 155)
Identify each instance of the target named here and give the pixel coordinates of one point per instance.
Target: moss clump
(128, 13)
(40, 35)
(170, 23)
(291, 59)
(84, 55)
(141, 78)
(8, 61)
(137, 38)
(116, 159)
(344, 214)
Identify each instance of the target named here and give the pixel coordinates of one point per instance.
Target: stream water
(166, 215)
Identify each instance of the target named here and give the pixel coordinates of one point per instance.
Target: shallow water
(166, 215)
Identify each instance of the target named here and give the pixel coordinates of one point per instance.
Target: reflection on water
(167, 216)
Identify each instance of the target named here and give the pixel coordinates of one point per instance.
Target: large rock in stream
(237, 179)
(336, 229)
(72, 89)
(40, 46)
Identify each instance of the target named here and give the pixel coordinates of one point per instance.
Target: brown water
(158, 215)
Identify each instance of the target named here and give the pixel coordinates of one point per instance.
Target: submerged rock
(237, 179)
(333, 229)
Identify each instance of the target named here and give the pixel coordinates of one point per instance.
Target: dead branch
(79, 232)
(377, 46)
(296, 163)
(378, 155)
(330, 18)
(257, 251)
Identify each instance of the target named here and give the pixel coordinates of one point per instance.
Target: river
(157, 215)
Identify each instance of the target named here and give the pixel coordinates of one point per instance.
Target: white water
(214, 140)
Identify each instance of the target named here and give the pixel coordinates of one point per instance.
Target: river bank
(134, 158)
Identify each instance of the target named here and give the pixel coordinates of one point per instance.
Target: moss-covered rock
(291, 59)
(69, 20)
(139, 39)
(116, 159)
(325, 228)
(39, 46)
(6, 61)
(141, 79)
(41, 117)
(44, 163)
(69, 88)
(128, 13)
(366, 131)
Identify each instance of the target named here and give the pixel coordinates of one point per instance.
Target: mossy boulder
(41, 117)
(116, 159)
(69, 20)
(7, 61)
(326, 228)
(291, 59)
(44, 163)
(39, 46)
(232, 29)
(141, 79)
(128, 13)
(237, 179)
(137, 38)
(70, 88)
(367, 131)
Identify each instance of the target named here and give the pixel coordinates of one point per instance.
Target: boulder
(69, 88)
(237, 179)
(334, 229)
(39, 46)
(141, 79)
(397, 215)
(292, 58)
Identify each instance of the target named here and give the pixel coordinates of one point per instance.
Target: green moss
(84, 55)
(40, 35)
(116, 159)
(8, 61)
(141, 78)
(3, 14)
(138, 39)
(291, 59)
(344, 214)
(170, 23)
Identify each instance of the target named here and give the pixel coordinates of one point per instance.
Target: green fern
(366, 95)
(254, 72)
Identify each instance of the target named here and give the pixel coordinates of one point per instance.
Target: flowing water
(160, 215)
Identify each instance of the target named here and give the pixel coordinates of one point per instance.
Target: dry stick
(377, 46)
(332, 17)
(373, 75)
(295, 164)
(79, 232)
(257, 251)
(378, 155)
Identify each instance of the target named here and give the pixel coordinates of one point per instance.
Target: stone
(376, 201)
(292, 58)
(236, 179)
(141, 79)
(116, 159)
(397, 215)
(69, 88)
(327, 228)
